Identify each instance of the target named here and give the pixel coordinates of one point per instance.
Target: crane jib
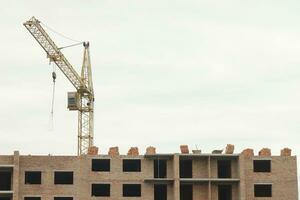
(53, 52)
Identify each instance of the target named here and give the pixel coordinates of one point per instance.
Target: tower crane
(83, 99)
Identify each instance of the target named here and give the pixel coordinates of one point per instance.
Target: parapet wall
(184, 149)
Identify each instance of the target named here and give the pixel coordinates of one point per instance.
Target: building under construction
(152, 176)
(175, 176)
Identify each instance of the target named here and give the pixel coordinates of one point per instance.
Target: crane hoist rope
(51, 117)
(82, 100)
(53, 89)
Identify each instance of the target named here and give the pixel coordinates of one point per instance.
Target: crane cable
(77, 42)
(72, 45)
(53, 95)
(53, 87)
(62, 35)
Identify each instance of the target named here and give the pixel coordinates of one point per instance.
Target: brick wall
(283, 176)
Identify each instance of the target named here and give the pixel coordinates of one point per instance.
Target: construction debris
(150, 150)
(248, 152)
(217, 151)
(286, 152)
(198, 151)
(113, 151)
(184, 149)
(133, 151)
(93, 150)
(229, 149)
(264, 152)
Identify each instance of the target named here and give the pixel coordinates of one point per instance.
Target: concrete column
(80, 193)
(209, 176)
(16, 175)
(242, 184)
(84, 187)
(176, 177)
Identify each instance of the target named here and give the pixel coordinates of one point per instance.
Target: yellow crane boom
(81, 100)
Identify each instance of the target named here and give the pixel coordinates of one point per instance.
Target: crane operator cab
(73, 101)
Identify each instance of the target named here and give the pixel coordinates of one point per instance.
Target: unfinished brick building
(152, 176)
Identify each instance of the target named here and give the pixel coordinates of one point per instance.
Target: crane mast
(86, 106)
(81, 100)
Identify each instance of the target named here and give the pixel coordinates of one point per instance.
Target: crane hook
(53, 76)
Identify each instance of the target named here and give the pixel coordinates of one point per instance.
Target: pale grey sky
(165, 73)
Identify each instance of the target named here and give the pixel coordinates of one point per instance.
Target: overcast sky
(202, 73)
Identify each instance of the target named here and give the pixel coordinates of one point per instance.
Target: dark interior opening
(186, 192)
(101, 165)
(160, 192)
(224, 192)
(5, 196)
(160, 168)
(131, 165)
(262, 165)
(63, 198)
(5, 180)
(131, 190)
(63, 177)
(31, 198)
(101, 190)
(263, 190)
(33, 177)
(186, 168)
(224, 168)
